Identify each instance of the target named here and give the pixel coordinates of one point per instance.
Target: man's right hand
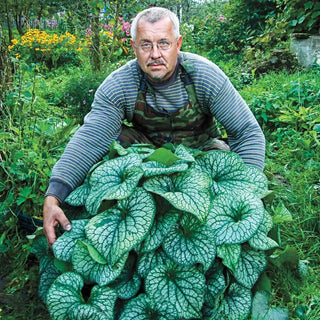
(52, 217)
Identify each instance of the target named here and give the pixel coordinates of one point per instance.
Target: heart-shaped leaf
(79, 196)
(140, 308)
(117, 230)
(260, 240)
(161, 226)
(65, 300)
(230, 255)
(63, 247)
(128, 283)
(236, 304)
(235, 218)
(185, 153)
(114, 179)
(190, 242)
(215, 283)
(187, 191)
(178, 291)
(251, 264)
(93, 271)
(150, 260)
(226, 169)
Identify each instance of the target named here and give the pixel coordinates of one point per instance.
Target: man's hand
(52, 216)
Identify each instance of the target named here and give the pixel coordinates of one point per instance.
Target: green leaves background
(183, 236)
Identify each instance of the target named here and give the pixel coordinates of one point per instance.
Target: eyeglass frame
(140, 46)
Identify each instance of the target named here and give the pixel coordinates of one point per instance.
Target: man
(169, 96)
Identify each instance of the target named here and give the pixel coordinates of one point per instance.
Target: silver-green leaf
(215, 284)
(150, 260)
(65, 301)
(178, 291)
(235, 217)
(185, 153)
(161, 226)
(64, 293)
(117, 230)
(251, 264)
(236, 304)
(154, 168)
(93, 271)
(79, 196)
(260, 240)
(140, 308)
(114, 179)
(230, 255)
(187, 191)
(128, 283)
(190, 242)
(226, 169)
(63, 247)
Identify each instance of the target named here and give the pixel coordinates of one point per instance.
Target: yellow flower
(109, 34)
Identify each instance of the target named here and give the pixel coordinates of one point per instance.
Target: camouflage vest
(189, 125)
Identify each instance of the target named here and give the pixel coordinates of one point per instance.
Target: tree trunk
(95, 46)
(5, 66)
(8, 21)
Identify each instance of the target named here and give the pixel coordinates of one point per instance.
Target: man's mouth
(155, 63)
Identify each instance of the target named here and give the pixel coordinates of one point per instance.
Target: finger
(64, 222)
(50, 234)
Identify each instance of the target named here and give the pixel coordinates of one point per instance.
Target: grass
(292, 165)
(293, 169)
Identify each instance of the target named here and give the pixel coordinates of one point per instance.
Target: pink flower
(222, 18)
(126, 27)
(89, 32)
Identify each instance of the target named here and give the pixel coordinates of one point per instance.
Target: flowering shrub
(52, 49)
(114, 38)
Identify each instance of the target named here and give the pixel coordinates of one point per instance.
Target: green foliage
(287, 106)
(53, 50)
(77, 93)
(198, 218)
(226, 28)
(303, 16)
(292, 166)
(30, 144)
(295, 106)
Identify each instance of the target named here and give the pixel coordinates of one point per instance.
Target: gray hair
(152, 15)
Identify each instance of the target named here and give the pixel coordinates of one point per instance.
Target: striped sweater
(115, 101)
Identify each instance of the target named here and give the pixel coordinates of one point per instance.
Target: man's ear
(179, 43)
(133, 47)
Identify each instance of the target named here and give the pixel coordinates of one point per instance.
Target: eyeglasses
(161, 45)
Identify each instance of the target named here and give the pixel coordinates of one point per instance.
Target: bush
(171, 234)
(51, 49)
(78, 93)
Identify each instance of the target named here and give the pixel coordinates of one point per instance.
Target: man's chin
(157, 76)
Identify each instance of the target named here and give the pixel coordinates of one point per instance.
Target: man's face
(158, 64)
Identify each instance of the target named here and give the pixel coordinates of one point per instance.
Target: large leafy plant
(168, 233)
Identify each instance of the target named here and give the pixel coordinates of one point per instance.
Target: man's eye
(146, 45)
(163, 43)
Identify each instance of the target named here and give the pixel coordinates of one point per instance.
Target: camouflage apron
(189, 125)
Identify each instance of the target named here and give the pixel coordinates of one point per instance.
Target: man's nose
(155, 52)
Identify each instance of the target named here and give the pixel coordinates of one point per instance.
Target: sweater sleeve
(90, 143)
(245, 136)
